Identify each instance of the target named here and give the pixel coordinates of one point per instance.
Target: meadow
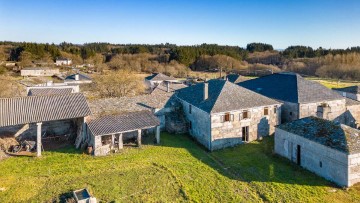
(177, 170)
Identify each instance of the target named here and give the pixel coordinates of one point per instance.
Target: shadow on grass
(251, 162)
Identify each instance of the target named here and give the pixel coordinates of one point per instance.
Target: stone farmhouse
(352, 92)
(303, 98)
(323, 147)
(157, 78)
(221, 114)
(39, 71)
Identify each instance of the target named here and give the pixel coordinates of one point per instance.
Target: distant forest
(333, 63)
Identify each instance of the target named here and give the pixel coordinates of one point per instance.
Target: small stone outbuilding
(328, 149)
(108, 132)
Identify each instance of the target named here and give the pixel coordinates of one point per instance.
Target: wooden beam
(38, 140)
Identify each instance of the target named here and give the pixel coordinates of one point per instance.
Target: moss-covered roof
(339, 137)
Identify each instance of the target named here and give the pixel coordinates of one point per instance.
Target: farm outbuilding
(36, 117)
(328, 149)
(109, 132)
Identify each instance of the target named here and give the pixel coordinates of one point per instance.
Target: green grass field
(178, 170)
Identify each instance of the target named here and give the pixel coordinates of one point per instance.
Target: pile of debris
(5, 144)
(11, 146)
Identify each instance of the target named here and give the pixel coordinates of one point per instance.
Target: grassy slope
(179, 170)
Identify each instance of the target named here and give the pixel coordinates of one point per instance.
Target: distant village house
(39, 71)
(63, 61)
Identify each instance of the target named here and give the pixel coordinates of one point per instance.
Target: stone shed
(328, 149)
(108, 132)
(36, 117)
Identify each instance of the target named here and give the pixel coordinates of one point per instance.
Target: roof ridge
(220, 92)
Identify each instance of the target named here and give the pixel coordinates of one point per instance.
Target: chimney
(167, 86)
(206, 90)
(77, 76)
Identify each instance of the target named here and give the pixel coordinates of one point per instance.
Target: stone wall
(324, 161)
(354, 169)
(337, 110)
(289, 112)
(200, 124)
(229, 133)
(51, 128)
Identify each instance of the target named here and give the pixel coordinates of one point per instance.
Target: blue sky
(326, 23)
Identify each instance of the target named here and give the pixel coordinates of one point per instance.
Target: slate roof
(351, 89)
(82, 77)
(235, 78)
(49, 91)
(24, 110)
(223, 96)
(339, 137)
(351, 102)
(111, 124)
(159, 77)
(290, 87)
(162, 88)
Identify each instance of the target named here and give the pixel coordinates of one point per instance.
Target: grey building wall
(289, 112)
(324, 161)
(229, 133)
(337, 109)
(200, 124)
(294, 111)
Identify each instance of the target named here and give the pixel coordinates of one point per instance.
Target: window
(320, 164)
(275, 109)
(245, 115)
(266, 111)
(227, 117)
(290, 113)
(190, 125)
(190, 109)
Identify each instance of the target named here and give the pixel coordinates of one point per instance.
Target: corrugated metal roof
(123, 123)
(23, 110)
(49, 91)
